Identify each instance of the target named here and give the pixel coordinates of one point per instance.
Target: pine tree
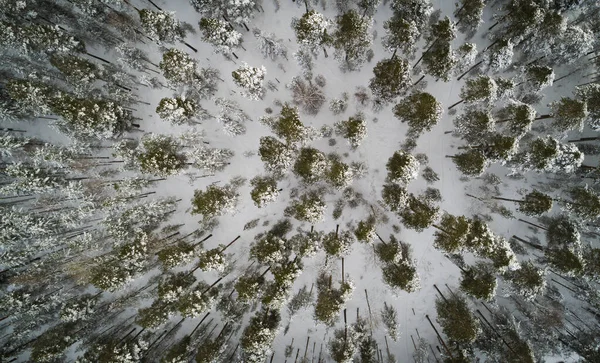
(452, 233)
(269, 45)
(417, 11)
(471, 162)
(519, 117)
(528, 281)
(469, 15)
(92, 118)
(352, 39)
(311, 30)
(479, 281)
(567, 114)
(534, 204)
(310, 207)
(214, 201)
(161, 26)
(197, 301)
(339, 174)
(389, 316)
(498, 57)
(419, 213)
(338, 244)
(311, 165)
(538, 77)
(51, 345)
(276, 155)
(264, 190)
(288, 126)
(251, 80)
(259, 334)
(181, 110)
(584, 202)
(365, 230)
(475, 124)
(420, 110)
(220, 35)
(401, 34)
(343, 345)
(546, 154)
(239, 12)
(394, 196)
(330, 300)
(160, 155)
(439, 61)
(392, 78)
(79, 72)
(398, 270)
(354, 129)
(478, 89)
(456, 319)
(591, 95)
(402, 168)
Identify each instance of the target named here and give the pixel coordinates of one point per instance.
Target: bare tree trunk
(439, 337)
(469, 70)
(456, 104)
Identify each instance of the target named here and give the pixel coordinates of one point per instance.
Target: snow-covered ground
(385, 134)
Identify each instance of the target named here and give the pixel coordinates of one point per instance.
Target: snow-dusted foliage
(307, 95)
(401, 34)
(122, 174)
(311, 30)
(527, 281)
(480, 88)
(220, 34)
(214, 201)
(160, 155)
(238, 11)
(456, 319)
(402, 168)
(269, 45)
(339, 105)
(420, 110)
(210, 159)
(389, 317)
(338, 244)
(353, 129)
(339, 175)
(180, 111)
(251, 80)
(352, 39)
(161, 26)
(311, 165)
(276, 155)
(259, 334)
(264, 190)
(310, 207)
(546, 154)
(330, 300)
(575, 42)
(465, 56)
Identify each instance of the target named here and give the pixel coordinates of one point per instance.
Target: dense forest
(300, 181)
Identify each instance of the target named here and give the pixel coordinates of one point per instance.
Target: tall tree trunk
(509, 200)
(439, 337)
(230, 243)
(469, 70)
(456, 104)
(425, 52)
(532, 224)
(420, 79)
